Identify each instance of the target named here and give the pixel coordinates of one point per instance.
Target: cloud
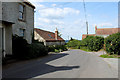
(50, 21)
(105, 24)
(54, 5)
(58, 13)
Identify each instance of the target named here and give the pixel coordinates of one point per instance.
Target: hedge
(74, 44)
(56, 48)
(112, 44)
(23, 50)
(93, 43)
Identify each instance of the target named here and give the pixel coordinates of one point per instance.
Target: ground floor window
(22, 32)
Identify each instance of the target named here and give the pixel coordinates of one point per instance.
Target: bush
(36, 50)
(19, 47)
(112, 44)
(74, 44)
(23, 50)
(60, 48)
(93, 43)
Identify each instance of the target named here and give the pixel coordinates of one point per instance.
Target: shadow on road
(35, 68)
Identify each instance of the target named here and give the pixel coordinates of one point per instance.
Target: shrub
(53, 48)
(23, 50)
(112, 44)
(57, 51)
(36, 50)
(74, 44)
(93, 43)
(19, 47)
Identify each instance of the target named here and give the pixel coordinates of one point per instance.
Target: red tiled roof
(107, 31)
(84, 35)
(48, 36)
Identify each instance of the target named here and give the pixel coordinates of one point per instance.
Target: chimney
(56, 34)
(95, 29)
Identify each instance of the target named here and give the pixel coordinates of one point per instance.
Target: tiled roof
(48, 36)
(107, 31)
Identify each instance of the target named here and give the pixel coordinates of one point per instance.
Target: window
(21, 12)
(49, 35)
(22, 32)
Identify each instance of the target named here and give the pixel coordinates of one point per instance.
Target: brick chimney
(95, 29)
(56, 34)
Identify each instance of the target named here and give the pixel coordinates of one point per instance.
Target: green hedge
(57, 48)
(74, 44)
(93, 43)
(23, 50)
(112, 44)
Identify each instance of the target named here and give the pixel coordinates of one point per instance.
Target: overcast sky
(69, 17)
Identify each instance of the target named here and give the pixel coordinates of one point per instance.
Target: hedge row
(93, 43)
(112, 44)
(75, 44)
(56, 48)
(23, 50)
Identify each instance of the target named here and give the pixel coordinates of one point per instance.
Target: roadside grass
(109, 56)
(85, 49)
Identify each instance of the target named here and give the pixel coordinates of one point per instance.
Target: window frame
(20, 12)
(22, 32)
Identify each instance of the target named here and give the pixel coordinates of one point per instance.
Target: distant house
(103, 32)
(17, 19)
(48, 38)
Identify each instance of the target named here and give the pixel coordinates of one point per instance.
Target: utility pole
(85, 16)
(87, 27)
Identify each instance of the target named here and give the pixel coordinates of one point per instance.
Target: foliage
(56, 48)
(93, 43)
(74, 44)
(112, 44)
(36, 49)
(23, 50)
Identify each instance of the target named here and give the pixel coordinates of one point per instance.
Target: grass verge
(109, 56)
(85, 49)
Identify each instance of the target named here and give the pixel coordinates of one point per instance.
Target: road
(69, 64)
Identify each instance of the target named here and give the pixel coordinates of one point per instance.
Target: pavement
(68, 64)
(112, 62)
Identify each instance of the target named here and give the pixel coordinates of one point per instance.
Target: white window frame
(21, 32)
(21, 12)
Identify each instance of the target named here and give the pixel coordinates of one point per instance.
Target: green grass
(109, 56)
(85, 49)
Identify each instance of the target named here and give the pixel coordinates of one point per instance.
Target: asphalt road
(70, 64)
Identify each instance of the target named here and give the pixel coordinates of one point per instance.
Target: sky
(69, 17)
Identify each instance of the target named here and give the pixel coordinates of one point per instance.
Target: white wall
(11, 14)
(54, 43)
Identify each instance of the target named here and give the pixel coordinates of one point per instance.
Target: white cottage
(48, 38)
(17, 19)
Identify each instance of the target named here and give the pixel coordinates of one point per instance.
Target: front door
(2, 42)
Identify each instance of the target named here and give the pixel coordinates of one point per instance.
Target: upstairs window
(21, 12)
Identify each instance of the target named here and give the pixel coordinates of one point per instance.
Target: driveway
(68, 64)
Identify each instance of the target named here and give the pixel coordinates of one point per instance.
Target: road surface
(69, 64)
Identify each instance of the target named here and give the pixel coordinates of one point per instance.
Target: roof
(3, 21)
(48, 36)
(29, 3)
(84, 35)
(107, 31)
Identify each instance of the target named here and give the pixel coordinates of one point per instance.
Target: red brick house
(49, 38)
(104, 32)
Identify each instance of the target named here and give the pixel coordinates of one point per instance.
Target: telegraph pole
(85, 16)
